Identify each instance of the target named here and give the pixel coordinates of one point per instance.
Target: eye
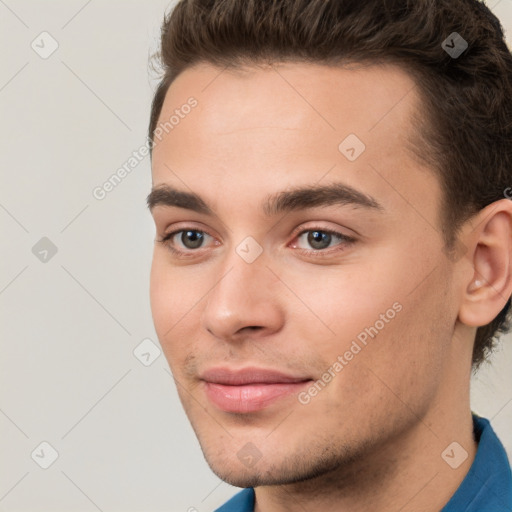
(185, 240)
(317, 240)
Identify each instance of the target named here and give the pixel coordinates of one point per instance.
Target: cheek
(337, 304)
(378, 312)
(407, 357)
(169, 299)
(159, 289)
(175, 296)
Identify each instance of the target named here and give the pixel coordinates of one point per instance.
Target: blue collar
(488, 483)
(486, 487)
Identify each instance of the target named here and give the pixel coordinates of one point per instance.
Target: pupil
(319, 239)
(192, 239)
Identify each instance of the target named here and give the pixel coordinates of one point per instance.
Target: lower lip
(250, 397)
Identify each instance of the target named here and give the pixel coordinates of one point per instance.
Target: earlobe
(490, 284)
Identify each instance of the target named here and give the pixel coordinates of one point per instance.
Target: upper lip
(253, 375)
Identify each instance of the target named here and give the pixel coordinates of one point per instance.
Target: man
(333, 251)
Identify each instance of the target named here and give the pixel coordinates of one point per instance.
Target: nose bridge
(240, 285)
(244, 267)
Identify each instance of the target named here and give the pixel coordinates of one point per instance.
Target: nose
(243, 303)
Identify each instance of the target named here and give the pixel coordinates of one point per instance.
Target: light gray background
(69, 325)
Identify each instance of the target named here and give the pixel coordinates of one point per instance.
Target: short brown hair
(466, 121)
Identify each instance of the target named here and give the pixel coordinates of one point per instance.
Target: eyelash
(344, 240)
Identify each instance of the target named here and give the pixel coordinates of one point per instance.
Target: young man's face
(302, 334)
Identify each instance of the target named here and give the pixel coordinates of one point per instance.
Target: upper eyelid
(301, 231)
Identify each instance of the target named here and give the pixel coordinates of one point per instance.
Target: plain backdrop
(74, 274)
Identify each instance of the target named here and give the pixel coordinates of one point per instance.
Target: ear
(488, 286)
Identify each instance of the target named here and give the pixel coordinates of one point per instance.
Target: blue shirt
(487, 486)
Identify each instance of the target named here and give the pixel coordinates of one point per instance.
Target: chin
(251, 477)
(281, 471)
(241, 478)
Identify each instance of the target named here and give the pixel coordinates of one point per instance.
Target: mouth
(250, 389)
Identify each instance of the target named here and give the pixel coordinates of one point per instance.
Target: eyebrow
(294, 199)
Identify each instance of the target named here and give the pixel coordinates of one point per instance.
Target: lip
(249, 389)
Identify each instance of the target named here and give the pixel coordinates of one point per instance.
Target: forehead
(288, 123)
(294, 92)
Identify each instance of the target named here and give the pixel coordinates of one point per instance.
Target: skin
(373, 437)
